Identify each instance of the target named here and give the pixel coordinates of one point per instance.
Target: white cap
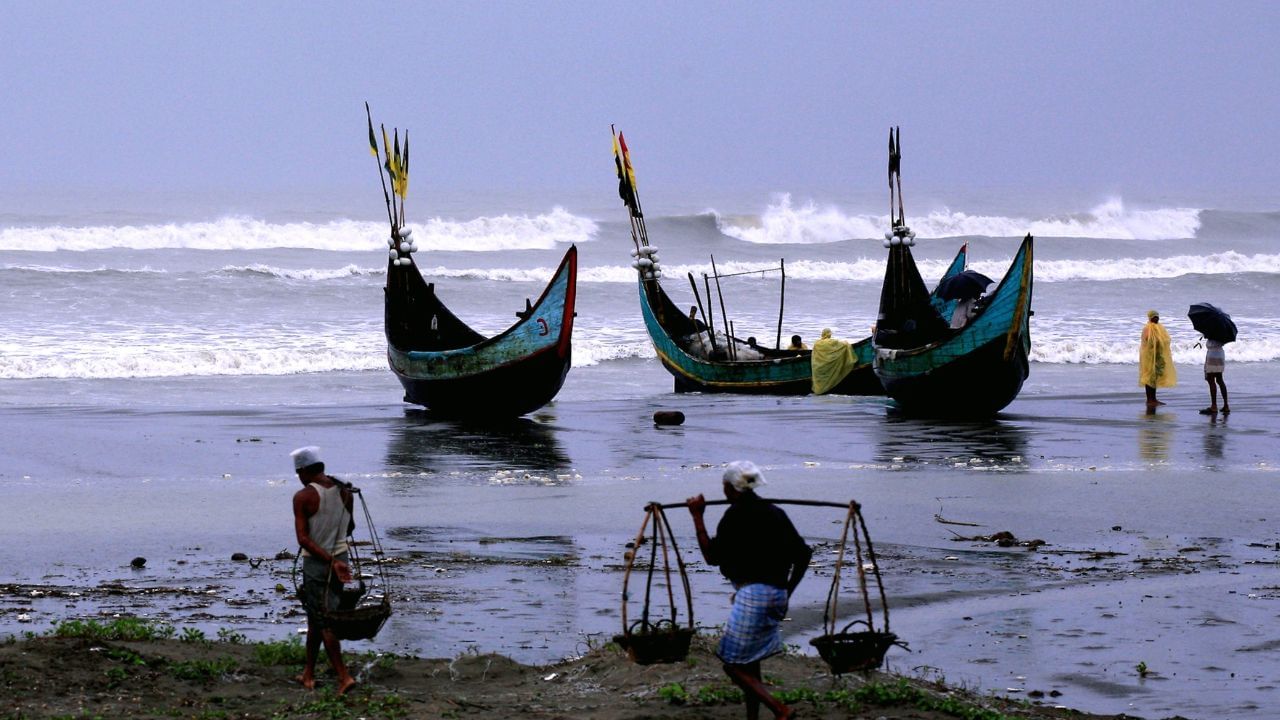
(305, 456)
(743, 475)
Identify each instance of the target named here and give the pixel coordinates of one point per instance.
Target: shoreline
(86, 670)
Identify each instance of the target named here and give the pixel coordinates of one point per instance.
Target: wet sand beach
(1158, 533)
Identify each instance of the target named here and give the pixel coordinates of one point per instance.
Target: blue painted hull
(976, 371)
(451, 370)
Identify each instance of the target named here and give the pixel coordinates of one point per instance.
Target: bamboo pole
(631, 561)
(711, 322)
(779, 501)
(724, 316)
(711, 331)
(782, 299)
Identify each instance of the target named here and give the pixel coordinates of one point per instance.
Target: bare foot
(345, 685)
(306, 681)
(1151, 404)
(1209, 411)
(1226, 410)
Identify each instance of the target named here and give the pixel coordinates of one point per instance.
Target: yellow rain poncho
(1155, 358)
(832, 361)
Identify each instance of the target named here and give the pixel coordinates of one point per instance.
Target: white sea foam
(105, 356)
(1093, 351)
(872, 269)
(346, 271)
(165, 351)
(858, 270)
(485, 234)
(151, 356)
(784, 222)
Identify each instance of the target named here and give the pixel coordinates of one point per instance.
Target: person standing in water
(761, 553)
(1215, 362)
(322, 521)
(1155, 359)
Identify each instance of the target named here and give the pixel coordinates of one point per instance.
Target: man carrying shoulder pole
(322, 520)
(761, 553)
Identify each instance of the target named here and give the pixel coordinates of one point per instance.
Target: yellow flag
(391, 165)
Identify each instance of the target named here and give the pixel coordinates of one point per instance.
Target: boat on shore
(701, 358)
(445, 365)
(973, 366)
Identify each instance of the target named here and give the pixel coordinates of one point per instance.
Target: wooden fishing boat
(932, 369)
(453, 370)
(675, 339)
(702, 360)
(444, 364)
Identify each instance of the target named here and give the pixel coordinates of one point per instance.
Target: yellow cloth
(832, 361)
(1155, 358)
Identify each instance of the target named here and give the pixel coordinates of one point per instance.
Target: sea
(158, 360)
(93, 300)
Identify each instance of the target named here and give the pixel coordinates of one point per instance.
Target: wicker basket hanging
(665, 640)
(853, 649)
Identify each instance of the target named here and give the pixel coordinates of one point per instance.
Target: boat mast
(782, 298)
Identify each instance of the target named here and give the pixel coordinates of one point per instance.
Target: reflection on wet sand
(422, 443)
(1215, 439)
(910, 441)
(1154, 435)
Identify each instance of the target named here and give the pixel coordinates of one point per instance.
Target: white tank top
(328, 527)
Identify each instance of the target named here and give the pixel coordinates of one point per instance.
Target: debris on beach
(1004, 538)
(668, 417)
(938, 518)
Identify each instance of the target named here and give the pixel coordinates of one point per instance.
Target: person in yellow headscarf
(832, 361)
(1155, 359)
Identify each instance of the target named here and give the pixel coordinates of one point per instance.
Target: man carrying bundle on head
(761, 553)
(322, 520)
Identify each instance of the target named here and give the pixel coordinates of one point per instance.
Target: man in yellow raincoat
(1155, 359)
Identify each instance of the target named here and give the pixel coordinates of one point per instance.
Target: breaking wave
(484, 234)
(784, 222)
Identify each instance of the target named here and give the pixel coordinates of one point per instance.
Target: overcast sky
(1105, 97)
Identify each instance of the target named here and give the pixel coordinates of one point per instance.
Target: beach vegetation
(889, 694)
(231, 637)
(122, 628)
(194, 636)
(280, 652)
(325, 704)
(674, 693)
(1142, 669)
(203, 670)
(116, 676)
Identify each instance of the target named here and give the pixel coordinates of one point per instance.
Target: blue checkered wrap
(752, 632)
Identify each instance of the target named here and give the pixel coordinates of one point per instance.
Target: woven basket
(361, 623)
(857, 651)
(665, 645)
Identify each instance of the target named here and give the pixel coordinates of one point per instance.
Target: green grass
(280, 652)
(891, 694)
(203, 670)
(327, 705)
(125, 628)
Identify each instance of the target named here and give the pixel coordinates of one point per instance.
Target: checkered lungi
(752, 631)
